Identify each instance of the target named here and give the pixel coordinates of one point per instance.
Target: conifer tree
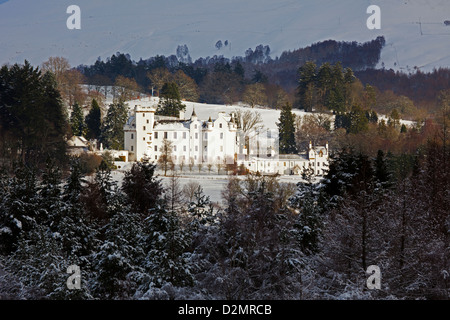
(20, 207)
(286, 128)
(142, 188)
(170, 101)
(77, 234)
(93, 121)
(77, 121)
(32, 119)
(167, 245)
(112, 134)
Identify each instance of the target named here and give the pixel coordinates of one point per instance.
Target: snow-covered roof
(172, 126)
(78, 142)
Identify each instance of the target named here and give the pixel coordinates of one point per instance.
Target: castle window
(132, 136)
(132, 148)
(165, 135)
(221, 135)
(184, 135)
(144, 128)
(175, 135)
(196, 135)
(156, 148)
(156, 135)
(220, 126)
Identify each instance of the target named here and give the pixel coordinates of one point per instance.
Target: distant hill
(414, 30)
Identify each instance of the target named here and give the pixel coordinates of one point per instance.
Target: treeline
(35, 123)
(256, 74)
(33, 120)
(221, 80)
(268, 240)
(420, 87)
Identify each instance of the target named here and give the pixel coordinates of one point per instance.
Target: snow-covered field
(212, 183)
(35, 30)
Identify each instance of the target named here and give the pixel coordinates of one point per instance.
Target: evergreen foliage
(170, 101)
(93, 121)
(77, 121)
(112, 134)
(33, 124)
(286, 129)
(267, 240)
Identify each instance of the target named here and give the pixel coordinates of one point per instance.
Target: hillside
(414, 29)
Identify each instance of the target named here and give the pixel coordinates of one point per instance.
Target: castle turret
(194, 115)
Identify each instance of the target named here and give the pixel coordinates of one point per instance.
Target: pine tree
(112, 134)
(78, 236)
(308, 223)
(77, 121)
(286, 128)
(32, 116)
(142, 188)
(306, 89)
(358, 120)
(93, 121)
(167, 244)
(21, 207)
(170, 101)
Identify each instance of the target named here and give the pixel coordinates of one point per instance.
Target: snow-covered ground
(212, 183)
(35, 30)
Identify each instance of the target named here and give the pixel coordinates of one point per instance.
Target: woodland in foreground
(267, 240)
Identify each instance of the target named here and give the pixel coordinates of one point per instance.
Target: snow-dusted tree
(254, 256)
(98, 196)
(78, 236)
(77, 123)
(309, 213)
(20, 207)
(142, 188)
(112, 134)
(167, 243)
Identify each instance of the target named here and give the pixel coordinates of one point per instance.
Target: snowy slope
(36, 30)
(204, 111)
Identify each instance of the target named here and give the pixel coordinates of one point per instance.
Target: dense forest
(266, 240)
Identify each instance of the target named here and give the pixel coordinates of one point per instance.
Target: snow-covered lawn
(212, 183)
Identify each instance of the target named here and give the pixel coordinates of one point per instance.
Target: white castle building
(213, 141)
(316, 160)
(195, 140)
